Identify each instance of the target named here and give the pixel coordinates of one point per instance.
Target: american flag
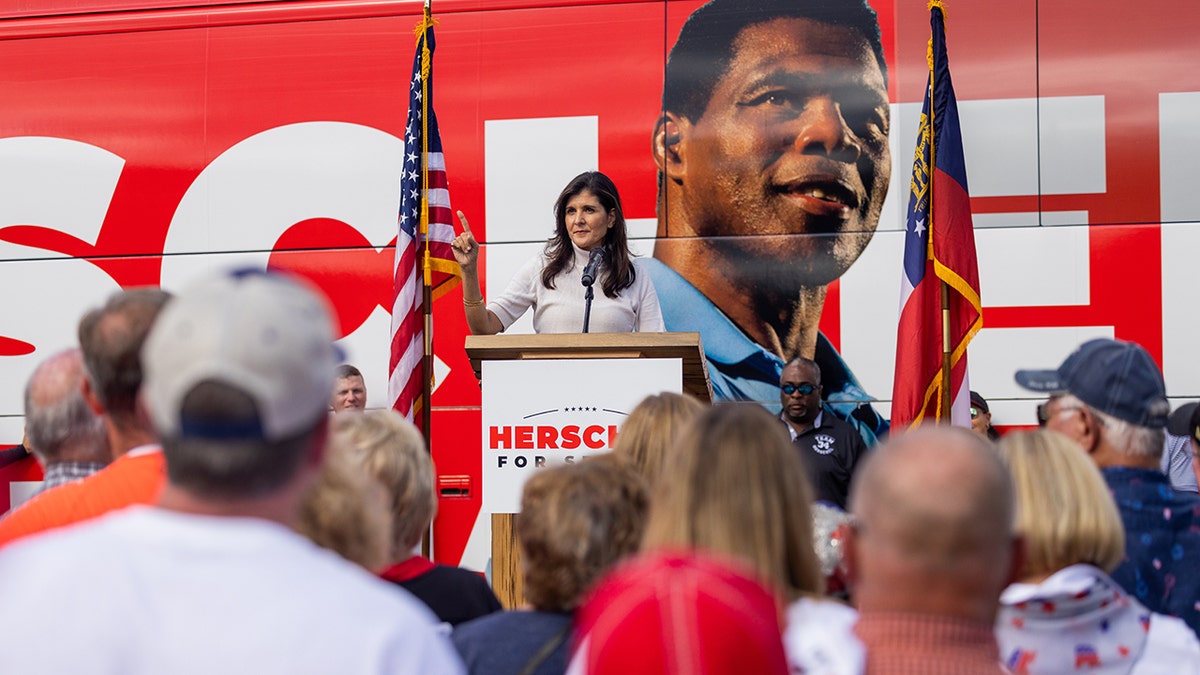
(423, 255)
(939, 247)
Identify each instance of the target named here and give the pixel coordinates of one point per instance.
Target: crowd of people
(218, 498)
(231, 506)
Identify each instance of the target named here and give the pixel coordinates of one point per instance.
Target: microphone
(589, 272)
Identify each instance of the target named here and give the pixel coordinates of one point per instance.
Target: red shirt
(407, 570)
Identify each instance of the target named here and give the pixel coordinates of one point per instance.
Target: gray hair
(66, 422)
(1125, 437)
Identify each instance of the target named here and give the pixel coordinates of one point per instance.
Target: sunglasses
(804, 389)
(1044, 414)
(975, 412)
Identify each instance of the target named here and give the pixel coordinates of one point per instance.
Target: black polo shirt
(831, 451)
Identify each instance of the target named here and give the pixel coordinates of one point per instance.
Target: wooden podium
(684, 346)
(515, 355)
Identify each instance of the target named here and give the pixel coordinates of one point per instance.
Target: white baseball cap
(260, 332)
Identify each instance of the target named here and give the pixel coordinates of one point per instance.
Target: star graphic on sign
(919, 226)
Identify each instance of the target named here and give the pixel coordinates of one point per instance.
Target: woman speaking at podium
(589, 245)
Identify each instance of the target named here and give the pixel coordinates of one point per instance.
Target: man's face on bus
(794, 140)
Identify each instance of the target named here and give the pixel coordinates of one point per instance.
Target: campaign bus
(143, 142)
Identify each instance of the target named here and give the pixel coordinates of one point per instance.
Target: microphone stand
(595, 257)
(587, 308)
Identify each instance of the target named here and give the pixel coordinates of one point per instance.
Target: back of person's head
(111, 339)
(1126, 438)
(933, 525)
(576, 522)
(738, 489)
(1065, 511)
(347, 511)
(680, 613)
(707, 42)
(392, 451)
(1120, 386)
(59, 424)
(652, 428)
(238, 370)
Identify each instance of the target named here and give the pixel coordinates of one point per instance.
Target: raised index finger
(463, 219)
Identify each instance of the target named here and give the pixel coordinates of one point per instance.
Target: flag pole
(927, 380)
(944, 403)
(426, 285)
(944, 409)
(426, 276)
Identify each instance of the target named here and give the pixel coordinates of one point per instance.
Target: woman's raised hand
(466, 249)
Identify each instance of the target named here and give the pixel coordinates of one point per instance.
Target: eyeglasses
(975, 412)
(1044, 413)
(804, 389)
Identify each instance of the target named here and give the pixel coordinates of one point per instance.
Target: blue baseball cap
(1114, 377)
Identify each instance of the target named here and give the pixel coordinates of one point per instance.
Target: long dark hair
(618, 264)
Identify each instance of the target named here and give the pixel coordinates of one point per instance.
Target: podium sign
(557, 398)
(546, 412)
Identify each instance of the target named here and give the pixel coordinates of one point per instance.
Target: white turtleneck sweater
(560, 310)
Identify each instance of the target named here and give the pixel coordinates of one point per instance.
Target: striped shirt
(62, 473)
(905, 643)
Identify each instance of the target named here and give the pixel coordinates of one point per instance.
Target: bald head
(59, 425)
(935, 514)
(54, 378)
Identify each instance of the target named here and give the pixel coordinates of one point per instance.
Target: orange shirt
(137, 477)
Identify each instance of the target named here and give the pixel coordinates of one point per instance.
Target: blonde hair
(346, 511)
(1064, 508)
(739, 489)
(576, 522)
(393, 452)
(652, 428)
